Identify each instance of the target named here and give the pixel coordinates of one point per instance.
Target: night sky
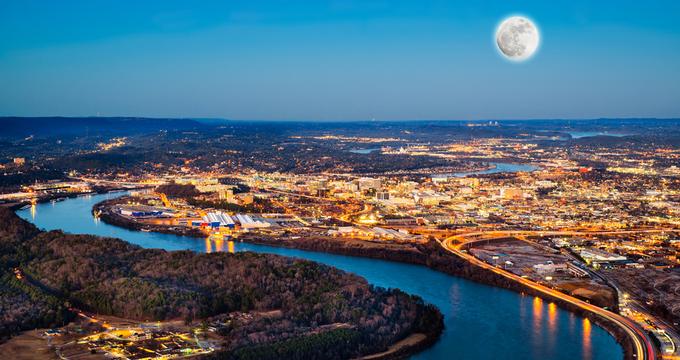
(337, 60)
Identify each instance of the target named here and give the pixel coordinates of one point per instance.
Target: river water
(582, 134)
(496, 167)
(482, 322)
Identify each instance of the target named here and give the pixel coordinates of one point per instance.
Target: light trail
(642, 345)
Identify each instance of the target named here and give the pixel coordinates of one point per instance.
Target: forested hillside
(110, 276)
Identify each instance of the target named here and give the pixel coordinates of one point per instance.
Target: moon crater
(517, 38)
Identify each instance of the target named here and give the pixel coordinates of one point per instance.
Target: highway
(480, 236)
(642, 345)
(643, 348)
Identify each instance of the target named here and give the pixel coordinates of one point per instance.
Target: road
(665, 333)
(480, 236)
(642, 345)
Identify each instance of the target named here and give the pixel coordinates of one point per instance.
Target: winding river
(482, 322)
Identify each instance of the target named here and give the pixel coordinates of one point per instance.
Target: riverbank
(480, 321)
(14, 206)
(397, 351)
(433, 256)
(104, 213)
(123, 280)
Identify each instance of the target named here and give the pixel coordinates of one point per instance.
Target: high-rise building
(369, 183)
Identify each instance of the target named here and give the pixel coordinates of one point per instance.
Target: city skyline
(578, 219)
(340, 179)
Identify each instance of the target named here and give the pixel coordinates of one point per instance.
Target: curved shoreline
(431, 255)
(425, 328)
(434, 257)
(400, 350)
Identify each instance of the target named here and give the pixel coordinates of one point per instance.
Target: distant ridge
(57, 125)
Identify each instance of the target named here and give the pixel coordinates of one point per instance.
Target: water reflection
(216, 244)
(552, 317)
(587, 345)
(546, 337)
(552, 325)
(545, 327)
(219, 245)
(33, 210)
(481, 324)
(538, 312)
(536, 333)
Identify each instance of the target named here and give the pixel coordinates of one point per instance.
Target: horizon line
(335, 120)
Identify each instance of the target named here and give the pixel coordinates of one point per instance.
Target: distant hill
(55, 126)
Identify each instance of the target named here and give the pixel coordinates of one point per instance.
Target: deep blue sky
(323, 60)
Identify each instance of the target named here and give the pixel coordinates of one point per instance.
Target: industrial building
(247, 222)
(219, 219)
(594, 256)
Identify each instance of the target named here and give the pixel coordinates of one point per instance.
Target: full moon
(517, 38)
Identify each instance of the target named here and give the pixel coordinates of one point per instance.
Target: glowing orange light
(552, 316)
(587, 345)
(219, 245)
(538, 312)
